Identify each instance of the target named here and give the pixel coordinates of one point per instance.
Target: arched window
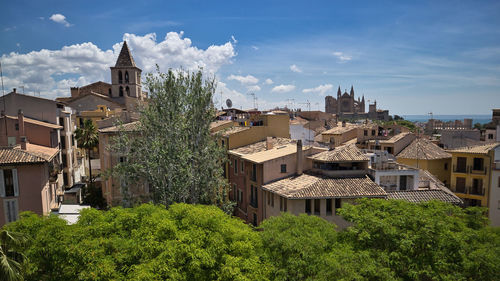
(126, 77)
(121, 91)
(120, 78)
(128, 91)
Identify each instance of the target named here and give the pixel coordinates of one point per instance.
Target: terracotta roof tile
(127, 127)
(423, 149)
(318, 186)
(125, 58)
(344, 153)
(260, 146)
(36, 122)
(32, 154)
(234, 130)
(417, 196)
(478, 149)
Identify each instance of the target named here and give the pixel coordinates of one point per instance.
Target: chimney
(20, 119)
(14, 90)
(331, 145)
(269, 143)
(299, 158)
(343, 123)
(23, 142)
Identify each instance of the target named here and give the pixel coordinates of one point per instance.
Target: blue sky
(412, 57)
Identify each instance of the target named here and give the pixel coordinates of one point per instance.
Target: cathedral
(344, 103)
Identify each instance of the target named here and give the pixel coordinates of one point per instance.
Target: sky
(412, 57)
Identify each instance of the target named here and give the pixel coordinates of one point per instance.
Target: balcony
(461, 189)
(478, 171)
(476, 191)
(463, 169)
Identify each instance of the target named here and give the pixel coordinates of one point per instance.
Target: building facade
(344, 103)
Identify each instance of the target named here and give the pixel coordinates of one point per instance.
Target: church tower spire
(126, 76)
(339, 93)
(352, 91)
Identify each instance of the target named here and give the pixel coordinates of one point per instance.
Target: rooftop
(125, 58)
(35, 122)
(310, 186)
(127, 127)
(259, 146)
(423, 149)
(340, 130)
(478, 149)
(270, 154)
(33, 154)
(344, 153)
(417, 196)
(396, 138)
(234, 130)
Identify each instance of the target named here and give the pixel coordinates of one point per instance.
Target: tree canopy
(173, 149)
(388, 240)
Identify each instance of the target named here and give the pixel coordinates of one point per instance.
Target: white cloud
(254, 88)
(295, 68)
(283, 88)
(268, 81)
(60, 19)
(321, 89)
(53, 71)
(234, 39)
(245, 80)
(342, 57)
(255, 48)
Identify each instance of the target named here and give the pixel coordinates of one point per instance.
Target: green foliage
(478, 126)
(388, 240)
(175, 153)
(93, 196)
(11, 259)
(185, 242)
(87, 138)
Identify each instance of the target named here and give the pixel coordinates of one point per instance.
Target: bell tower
(126, 76)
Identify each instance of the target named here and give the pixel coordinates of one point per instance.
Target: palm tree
(87, 138)
(10, 259)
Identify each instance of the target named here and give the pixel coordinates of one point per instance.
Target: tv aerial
(229, 103)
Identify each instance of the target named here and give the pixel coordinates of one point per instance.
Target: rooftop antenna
(254, 100)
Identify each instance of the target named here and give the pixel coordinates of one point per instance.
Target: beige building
(424, 154)
(393, 145)
(337, 136)
(58, 115)
(494, 210)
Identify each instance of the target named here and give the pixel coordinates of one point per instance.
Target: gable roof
(125, 58)
(127, 127)
(33, 154)
(423, 149)
(259, 146)
(35, 122)
(311, 186)
(344, 153)
(101, 96)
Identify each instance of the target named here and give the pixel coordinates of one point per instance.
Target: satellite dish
(229, 103)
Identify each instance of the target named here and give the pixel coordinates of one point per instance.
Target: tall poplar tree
(172, 149)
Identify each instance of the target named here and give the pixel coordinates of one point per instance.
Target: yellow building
(471, 174)
(424, 154)
(102, 112)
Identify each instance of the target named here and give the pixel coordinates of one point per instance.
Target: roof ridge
(125, 57)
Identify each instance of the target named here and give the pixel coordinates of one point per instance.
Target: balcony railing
(478, 171)
(459, 169)
(469, 170)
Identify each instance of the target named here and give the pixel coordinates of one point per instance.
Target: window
(281, 204)
(122, 159)
(242, 166)
(366, 132)
(498, 181)
(11, 141)
(8, 183)
(72, 140)
(65, 178)
(234, 191)
(308, 206)
(109, 92)
(240, 199)
(460, 185)
(64, 161)
(254, 219)
(11, 210)
(338, 204)
(373, 132)
(268, 198)
(328, 207)
(272, 199)
(285, 203)
(127, 90)
(126, 76)
(63, 142)
(317, 206)
(254, 172)
(283, 168)
(120, 78)
(16, 126)
(478, 164)
(446, 166)
(121, 91)
(235, 166)
(254, 197)
(490, 136)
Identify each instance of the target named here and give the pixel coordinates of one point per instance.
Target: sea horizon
(476, 118)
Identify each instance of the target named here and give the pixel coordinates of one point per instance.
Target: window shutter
(16, 185)
(2, 184)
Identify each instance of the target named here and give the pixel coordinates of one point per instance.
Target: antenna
(254, 100)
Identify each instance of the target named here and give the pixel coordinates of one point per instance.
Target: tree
(87, 138)
(478, 126)
(11, 259)
(173, 149)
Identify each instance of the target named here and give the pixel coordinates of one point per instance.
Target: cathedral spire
(352, 91)
(339, 92)
(125, 58)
